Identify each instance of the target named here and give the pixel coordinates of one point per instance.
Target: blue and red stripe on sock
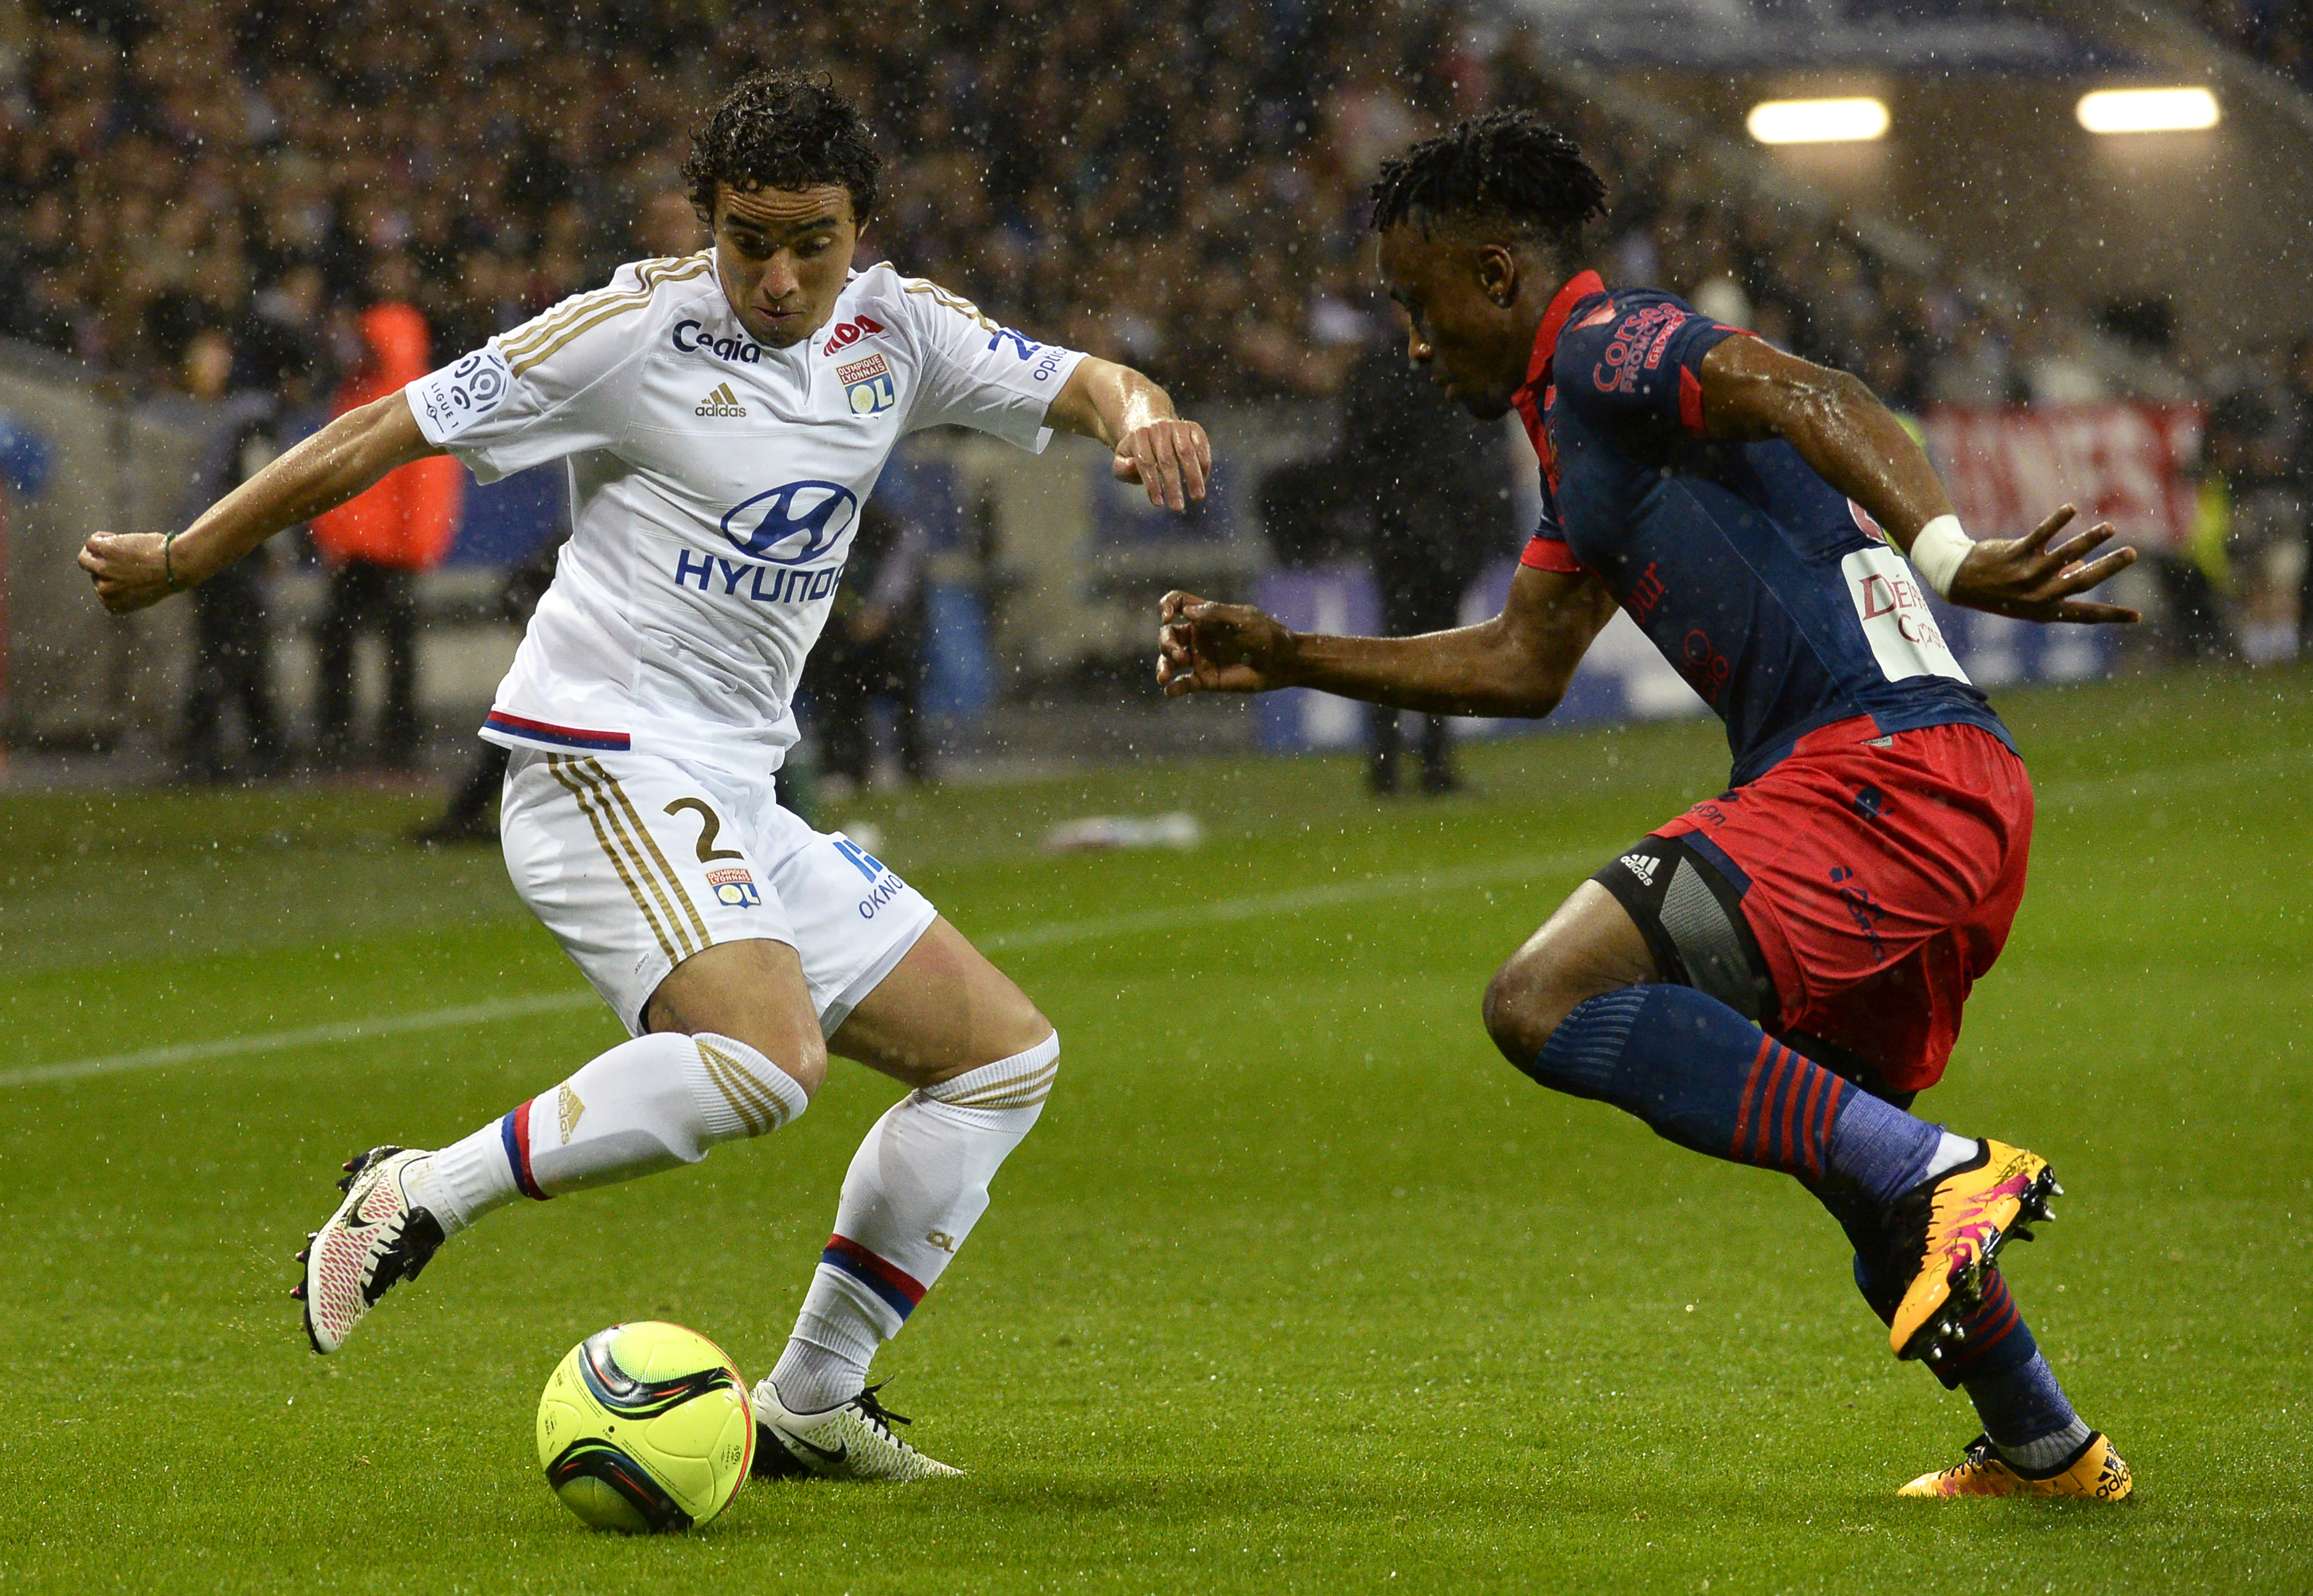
(1995, 1337)
(514, 1130)
(900, 1290)
(1787, 1106)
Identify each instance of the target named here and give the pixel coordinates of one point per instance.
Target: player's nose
(781, 278)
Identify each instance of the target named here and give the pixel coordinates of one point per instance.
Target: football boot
(1949, 1230)
(851, 1440)
(377, 1238)
(2094, 1473)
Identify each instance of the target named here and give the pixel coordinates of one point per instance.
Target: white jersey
(715, 486)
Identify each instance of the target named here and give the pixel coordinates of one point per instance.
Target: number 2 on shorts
(711, 826)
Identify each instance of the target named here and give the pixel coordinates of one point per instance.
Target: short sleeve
(973, 371)
(1547, 551)
(556, 386)
(1637, 356)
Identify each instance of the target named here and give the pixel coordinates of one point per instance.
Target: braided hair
(784, 129)
(1507, 166)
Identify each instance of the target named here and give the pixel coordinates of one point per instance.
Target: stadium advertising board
(2008, 465)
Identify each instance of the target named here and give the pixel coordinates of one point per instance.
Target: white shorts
(634, 862)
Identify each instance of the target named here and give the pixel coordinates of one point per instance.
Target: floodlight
(2147, 110)
(1816, 121)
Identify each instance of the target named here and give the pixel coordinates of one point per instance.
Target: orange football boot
(2095, 1474)
(1954, 1227)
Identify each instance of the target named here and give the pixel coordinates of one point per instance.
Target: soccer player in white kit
(721, 416)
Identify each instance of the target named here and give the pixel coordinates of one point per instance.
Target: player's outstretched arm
(1115, 405)
(133, 569)
(1752, 390)
(1517, 664)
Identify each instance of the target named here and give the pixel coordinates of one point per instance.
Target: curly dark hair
(1508, 166)
(784, 129)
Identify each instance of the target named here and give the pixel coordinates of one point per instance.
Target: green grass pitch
(1298, 1287)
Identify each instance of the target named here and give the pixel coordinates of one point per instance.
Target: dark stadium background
(1177, 185)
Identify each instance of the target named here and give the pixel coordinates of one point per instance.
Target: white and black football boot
(377, 1238)
(851, 1440)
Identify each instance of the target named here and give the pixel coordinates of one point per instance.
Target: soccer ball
(645, 1427)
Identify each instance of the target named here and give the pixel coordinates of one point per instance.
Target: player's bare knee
(810, 1066)
(1523, 1006)
(791, 1043)
(1016, 1027)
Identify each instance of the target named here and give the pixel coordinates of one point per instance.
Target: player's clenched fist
(129, 568)
(1170, 457)
(1202, 647)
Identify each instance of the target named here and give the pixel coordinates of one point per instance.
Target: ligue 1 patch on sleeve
(450, 400)
(867, 386)
(734, 887)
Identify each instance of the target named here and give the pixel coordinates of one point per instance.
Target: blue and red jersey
(1772, 594)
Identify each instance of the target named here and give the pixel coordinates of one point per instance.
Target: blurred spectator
(466, 818)
(2300, 396)
(256, 387)
(2278, 32)
(375, 545)
(872, 649)
(669, 225)
(1421, 487)
(1174, 181)
(1438, 482)
(2191, 624)
(2253, 443)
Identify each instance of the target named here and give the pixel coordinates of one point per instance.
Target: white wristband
(1937, 552)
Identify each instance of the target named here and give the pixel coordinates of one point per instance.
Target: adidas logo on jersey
(722, 402)
(1643, 866)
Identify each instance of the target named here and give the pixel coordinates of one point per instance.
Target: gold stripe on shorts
(556, 762)
(623, 823)
(633, 869)
(673, 881)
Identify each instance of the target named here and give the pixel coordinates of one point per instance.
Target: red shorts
(1881, 875)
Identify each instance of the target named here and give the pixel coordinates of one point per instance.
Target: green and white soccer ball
(646, 1427)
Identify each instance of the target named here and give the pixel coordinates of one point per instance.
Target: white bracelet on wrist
(1937, 552)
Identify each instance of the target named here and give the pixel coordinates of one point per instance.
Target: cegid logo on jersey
(689, 337)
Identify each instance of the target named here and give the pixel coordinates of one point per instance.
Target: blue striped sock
(1706, 1078)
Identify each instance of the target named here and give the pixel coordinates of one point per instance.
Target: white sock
(915, 1188)
(647, 1104)
(1951, 1152)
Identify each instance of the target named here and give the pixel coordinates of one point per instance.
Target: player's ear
(1497, 274)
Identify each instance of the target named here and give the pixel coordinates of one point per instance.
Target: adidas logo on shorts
(1643, 866)
(722, 402)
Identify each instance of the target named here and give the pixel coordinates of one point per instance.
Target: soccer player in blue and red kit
(1772, 976)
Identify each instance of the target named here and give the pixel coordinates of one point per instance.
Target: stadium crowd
(2278, 32)
(1179, 184)
(1176, 184)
